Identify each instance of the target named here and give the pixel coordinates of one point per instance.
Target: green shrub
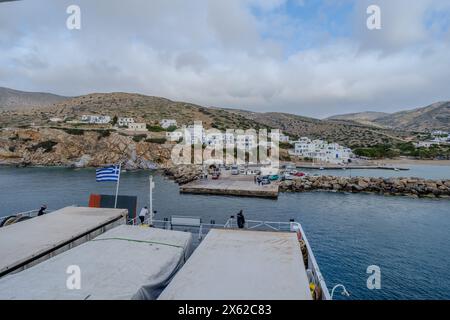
(155, 128)
(156, 140)
(75, 132)
(139, 137)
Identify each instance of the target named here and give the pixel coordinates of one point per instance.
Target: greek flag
(111, 173)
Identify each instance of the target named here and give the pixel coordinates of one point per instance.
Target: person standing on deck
(240, 220)
(143, 214)
(42, 210)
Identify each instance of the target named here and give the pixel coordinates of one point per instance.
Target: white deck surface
(21, 241)
(127, 262)
(235, 265)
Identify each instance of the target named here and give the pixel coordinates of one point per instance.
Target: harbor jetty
(415, 187)
(231, 187)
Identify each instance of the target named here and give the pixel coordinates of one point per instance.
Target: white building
(135, 126)
(439, 133)
(214, 139)
(424, 144)
(246, 141)
(322, 151)
(194, 134)
(92, 119)
(166, 123)
(124, 122)
(174, 135)
(281, 137)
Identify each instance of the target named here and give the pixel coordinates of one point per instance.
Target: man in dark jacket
(42, 210)
(240, 220)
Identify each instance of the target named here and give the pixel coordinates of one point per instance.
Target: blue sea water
(409, 239)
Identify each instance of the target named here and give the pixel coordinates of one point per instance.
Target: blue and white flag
(111, 173)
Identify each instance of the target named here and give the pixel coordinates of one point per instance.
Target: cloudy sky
(309, 57)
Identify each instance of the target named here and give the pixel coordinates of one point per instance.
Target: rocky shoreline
(414, 187)
(79, 149)
(183, 174)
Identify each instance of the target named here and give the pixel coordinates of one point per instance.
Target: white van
(234, 170)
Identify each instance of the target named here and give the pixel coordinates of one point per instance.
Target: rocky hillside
(18, 100)
(432, 117)
(142, 108)
(359, 116)
(351, 134)
(150, 110)
(54, 147)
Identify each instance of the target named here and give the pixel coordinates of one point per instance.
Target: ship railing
(189, 224)
(31, 214)
(312, 268)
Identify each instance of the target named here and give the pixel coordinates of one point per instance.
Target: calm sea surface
(409, 239)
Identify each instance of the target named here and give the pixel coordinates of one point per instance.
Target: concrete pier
(232, 187)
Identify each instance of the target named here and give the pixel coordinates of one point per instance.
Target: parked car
(234, 170)
(299, 174)
(274, 177)
(215, 176)
(287, 176)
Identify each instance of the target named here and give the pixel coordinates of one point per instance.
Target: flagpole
(117, 186)
(151, 200)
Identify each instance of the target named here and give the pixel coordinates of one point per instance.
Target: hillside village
(304, 148)
(153, 123)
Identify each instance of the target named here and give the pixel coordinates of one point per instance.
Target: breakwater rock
(415, 187)
(183, 174)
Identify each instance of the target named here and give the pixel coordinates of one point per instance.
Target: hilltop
(19, 100)
(433, 117)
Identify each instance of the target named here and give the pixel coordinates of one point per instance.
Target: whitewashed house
(281, 137)
(124, 122)
(321, 151)
(215, 138)
(229, 138)
(439, 133)
(135, 126)
(424, 144)
(166, 123)
(174, 135)
(194, 134)
(246, 141)
(93, 119)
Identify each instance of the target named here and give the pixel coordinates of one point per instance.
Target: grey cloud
(212, 53)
